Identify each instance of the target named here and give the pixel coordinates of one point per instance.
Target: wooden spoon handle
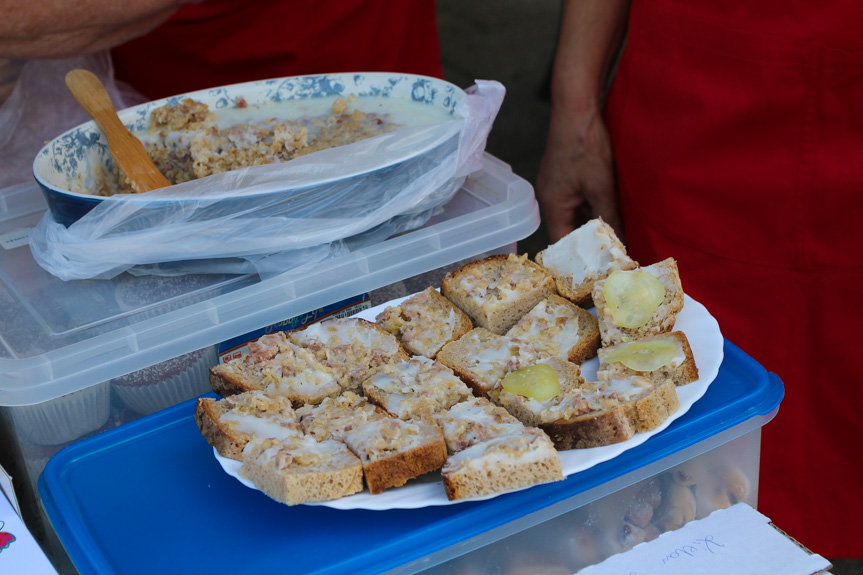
(126, 149)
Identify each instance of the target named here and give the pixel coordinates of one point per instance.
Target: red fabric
(737, 130)
(219, 42)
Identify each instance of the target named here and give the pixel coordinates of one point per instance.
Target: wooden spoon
(126, 149)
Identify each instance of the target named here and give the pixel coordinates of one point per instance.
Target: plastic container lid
(58, 337)
(149, 497)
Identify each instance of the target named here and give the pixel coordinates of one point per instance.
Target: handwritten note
(734, 540)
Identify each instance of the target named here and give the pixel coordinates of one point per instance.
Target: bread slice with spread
(280, 367)
(474, 421)
(619, 409)
(556, 327)
(583, 257)
(425, 322)
(637, 303)
(496, 291)
(482, 358)
(299, 470)
(658, 357)
(503, 463)
(334, 417)
(229, 424)
(354, 348)
(416, 389)
(393, 451)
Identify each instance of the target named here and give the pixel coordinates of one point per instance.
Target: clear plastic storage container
(82, 357)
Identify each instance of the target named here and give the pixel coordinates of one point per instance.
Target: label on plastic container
(239, 346)
(15, 239)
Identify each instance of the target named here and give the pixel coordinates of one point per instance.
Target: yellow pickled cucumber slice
(632, 297)
(538, 382)
(644, 355)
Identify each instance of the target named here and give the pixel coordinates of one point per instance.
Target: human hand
(576, 180)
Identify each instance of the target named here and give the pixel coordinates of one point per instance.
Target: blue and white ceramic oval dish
(67, 165)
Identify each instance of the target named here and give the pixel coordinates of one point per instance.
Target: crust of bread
(225, 436)
(228, 443)
(386, 469)
(503, 470)
(226, 381)
(642, 412)
(579, 320)
(422, 322)
(647, 411)
(593, 429)
(498, 317)
(339, 476)
(686, 372)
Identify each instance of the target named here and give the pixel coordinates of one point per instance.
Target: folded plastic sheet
(251, 220)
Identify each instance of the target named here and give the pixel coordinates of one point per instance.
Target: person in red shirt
(167, 47)
(732, 140)
(219, 42)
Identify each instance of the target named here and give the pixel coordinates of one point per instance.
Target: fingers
(576, 179)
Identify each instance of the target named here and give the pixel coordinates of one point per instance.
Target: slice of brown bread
(503, 463)
(424, 322)
(474, 421)
(680, 368)
(393, 451)
(583, 257)
(336, 416)
(415, 389)
(279, 367)
(482, 358)
(619, 409)
(302, 470)
(496, 291)
(558, 328)
(664, 316)
(568, 403)
(592, 429)
(647, 406)
(354, 348)
(229, 424)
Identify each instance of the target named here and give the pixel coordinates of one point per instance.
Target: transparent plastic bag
(39, 107)
(341, 198)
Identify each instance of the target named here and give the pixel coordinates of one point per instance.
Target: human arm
(576, 174)
(62, 29)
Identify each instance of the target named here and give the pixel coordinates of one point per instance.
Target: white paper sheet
(734, 540)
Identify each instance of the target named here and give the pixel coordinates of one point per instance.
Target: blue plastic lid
(149, 497)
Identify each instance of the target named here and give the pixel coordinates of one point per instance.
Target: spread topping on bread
(618, 390)
(632, 296)
(501, 287)
(589, 250)
(552, 329)
(416, 388)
